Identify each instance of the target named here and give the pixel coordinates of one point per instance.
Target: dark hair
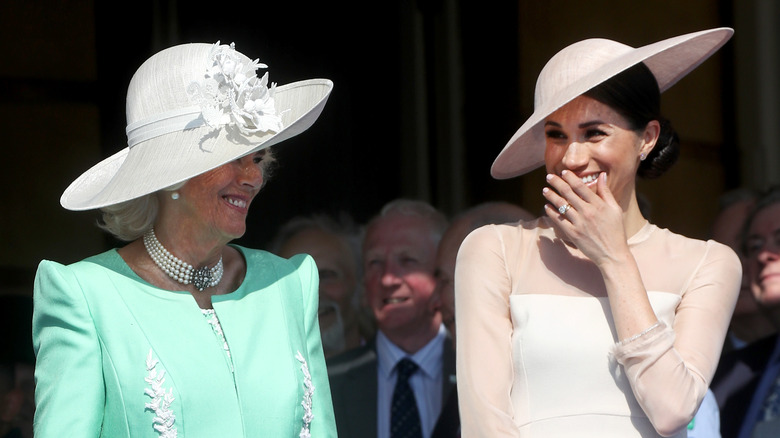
(634, 94)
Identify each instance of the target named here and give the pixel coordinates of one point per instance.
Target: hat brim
(669, 61)
(149, 167)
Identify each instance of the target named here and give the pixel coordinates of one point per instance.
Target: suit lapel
(448, 369)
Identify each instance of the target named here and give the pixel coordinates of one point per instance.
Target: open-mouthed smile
(240, 203)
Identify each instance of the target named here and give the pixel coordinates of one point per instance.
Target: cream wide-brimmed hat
(192, 108)
(585, 64)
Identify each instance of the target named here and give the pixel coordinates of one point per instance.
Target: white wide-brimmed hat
(192, 108)
(585, 64)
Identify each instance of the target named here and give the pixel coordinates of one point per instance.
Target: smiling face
(763, 255)
(588, 137)
(398, 256)
(214, 205)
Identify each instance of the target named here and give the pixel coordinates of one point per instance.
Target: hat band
(165, 123)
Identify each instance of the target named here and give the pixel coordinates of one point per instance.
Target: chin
(770, 297)
(234, 231)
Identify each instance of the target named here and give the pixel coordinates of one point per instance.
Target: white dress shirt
(426, 383)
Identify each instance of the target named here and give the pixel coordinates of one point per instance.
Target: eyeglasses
(755, 244)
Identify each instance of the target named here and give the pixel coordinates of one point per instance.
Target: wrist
(615, 260)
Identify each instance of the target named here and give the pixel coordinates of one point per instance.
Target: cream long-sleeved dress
(537, 354)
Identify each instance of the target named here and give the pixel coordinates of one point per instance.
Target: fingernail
(564, 172)
(549, 176)
(545, 190)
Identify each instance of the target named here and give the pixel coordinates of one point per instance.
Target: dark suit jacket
(448, 425)
(353, 386)
(741, 378)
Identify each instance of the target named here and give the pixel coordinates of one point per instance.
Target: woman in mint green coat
(179, 333)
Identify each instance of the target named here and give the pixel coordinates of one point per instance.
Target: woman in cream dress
(590, 321)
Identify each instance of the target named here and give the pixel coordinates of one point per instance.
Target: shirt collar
(428, 358)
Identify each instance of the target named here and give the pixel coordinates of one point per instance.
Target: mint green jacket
(118, 357)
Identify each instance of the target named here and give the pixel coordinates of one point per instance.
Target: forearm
(645, 348)
(668, 389)
(670, 366)
(628, 300)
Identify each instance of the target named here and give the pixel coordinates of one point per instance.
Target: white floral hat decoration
(586, 64)
(192, 108)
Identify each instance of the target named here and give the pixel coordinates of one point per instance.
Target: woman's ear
(650, 137)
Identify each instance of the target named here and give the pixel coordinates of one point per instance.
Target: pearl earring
(642, 156)
(175, 195)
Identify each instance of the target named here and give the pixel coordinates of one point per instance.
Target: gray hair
(413, 207)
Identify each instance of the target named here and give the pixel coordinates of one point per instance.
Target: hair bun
(663, 155)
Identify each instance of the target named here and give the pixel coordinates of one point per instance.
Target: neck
(633, 220)
(413, 341)
(189, 245)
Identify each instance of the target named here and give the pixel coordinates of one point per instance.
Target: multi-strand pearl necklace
(180, 270)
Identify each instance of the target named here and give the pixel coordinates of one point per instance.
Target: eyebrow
(580, 126)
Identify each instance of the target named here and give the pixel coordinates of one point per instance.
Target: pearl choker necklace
(178, 269)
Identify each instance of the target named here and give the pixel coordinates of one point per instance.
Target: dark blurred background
(426, 94)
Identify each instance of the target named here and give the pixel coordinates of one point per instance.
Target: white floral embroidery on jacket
(308, 392)
(161, 400)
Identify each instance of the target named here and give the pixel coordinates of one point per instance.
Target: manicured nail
(549, 176)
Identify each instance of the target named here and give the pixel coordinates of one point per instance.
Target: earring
(642, 156)
(175, 195)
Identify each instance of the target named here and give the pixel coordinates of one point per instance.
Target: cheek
(552, 156)
(752, 270)
(372, 299)
(423, 285)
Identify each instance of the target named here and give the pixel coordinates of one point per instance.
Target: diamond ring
(564, 208)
